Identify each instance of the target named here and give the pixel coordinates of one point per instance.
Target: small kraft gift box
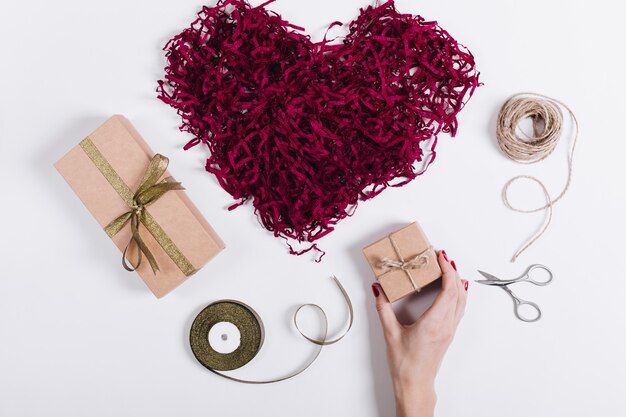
(144, 211)
(403, 262)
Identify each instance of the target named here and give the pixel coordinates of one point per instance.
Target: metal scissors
(525, 277)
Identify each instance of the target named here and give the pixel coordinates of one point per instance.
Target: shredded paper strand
(306, 130)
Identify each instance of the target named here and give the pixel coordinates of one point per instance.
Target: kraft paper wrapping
(128, 154)
(411, 242)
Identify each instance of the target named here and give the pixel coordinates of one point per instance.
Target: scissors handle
(518, 303)
(541, 282)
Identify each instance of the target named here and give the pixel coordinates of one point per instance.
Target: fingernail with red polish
(375, 290)
(453, 265)
(445, 256)
(466, 284)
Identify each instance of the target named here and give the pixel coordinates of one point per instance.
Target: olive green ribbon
(252, 332)
(150, 190)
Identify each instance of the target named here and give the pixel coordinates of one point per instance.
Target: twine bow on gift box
(148, 192)
(416, 262)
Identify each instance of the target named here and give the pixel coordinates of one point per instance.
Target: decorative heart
(307, 129)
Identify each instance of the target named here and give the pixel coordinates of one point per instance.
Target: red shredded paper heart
(307, 129)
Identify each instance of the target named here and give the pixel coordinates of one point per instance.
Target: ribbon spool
(252, 335)
(247, 322)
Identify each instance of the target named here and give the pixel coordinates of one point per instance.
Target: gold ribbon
(418, 261)
(252, 334)
(150, 190)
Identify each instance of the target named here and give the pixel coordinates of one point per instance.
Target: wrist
(414, 378)
(415, 399)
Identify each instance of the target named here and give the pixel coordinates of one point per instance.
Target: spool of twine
(547, 120)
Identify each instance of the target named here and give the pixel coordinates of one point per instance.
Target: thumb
(447, 299)
(388, 320)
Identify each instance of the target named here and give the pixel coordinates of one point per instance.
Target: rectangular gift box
(183, 242)
(403, 262)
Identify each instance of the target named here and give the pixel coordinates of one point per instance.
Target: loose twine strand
(547, 120)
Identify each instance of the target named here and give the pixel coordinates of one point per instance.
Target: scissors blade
(491, 280)
(488, 276)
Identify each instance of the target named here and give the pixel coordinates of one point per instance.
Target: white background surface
(80, 336)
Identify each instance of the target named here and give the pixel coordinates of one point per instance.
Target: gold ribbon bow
(418, 261)
(148, 192)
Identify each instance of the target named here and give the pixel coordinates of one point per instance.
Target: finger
(445, 302)
(461, 301)
(388, 320)
(448, 270)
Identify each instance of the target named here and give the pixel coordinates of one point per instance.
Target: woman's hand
(415, 352)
